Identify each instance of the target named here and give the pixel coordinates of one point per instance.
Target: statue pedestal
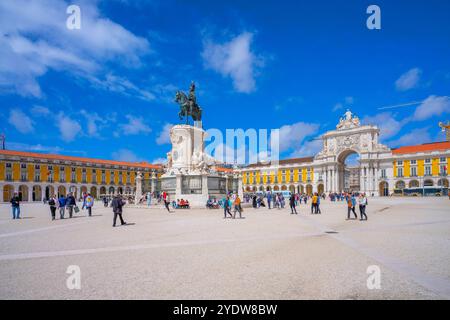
(190, 174)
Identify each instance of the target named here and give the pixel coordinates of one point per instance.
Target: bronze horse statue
(188, 107)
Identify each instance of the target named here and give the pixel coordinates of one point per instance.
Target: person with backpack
(52, 202)
(89, 203)
(70, 204)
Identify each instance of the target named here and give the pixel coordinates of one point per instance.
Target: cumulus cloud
(408, 80)
(135, 125)
(388, 125)
(126, 155)
(20, 121)
(159, 161)
(415, 136)
(308, 149)
(34, 39)
(234, 59)
(68, 128)
(432, 106)
(164, 135)
(291, 136)
(40, 111)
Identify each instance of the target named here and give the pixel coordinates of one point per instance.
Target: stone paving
(196, 254)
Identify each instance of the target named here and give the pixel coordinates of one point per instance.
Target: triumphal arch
(351, 137)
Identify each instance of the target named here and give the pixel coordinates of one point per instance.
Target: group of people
(232, 201)
(353, 200)
(69, 203)
(180, 204)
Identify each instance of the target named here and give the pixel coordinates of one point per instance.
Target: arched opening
(276, 188)
(384, 189)
(23, 193)
(443, 183)
(248, 189)
(292, 188)
(349, 169)
(49, 191)
(309, 190)
(73, 190)
(301, 189)
(400, 185)
(268, 189)
(83, 190)
(94, 192)
(283, 188)
(8, 192)
(261, 188)
(428, 183)
(128, 190)
(102, 191)
(61, 191)
(37, 193)
(111, 190)
(320, 188)
(414, 184)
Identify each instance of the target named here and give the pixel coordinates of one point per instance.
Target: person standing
(70, 203)
(362, 206)
(318, 204)
(269, 199)
(149, 199)
(117, 204)
(89, 203)
(237, 207)
(292, 204)
(313, 204)
(350, 206)
(226, 207)
(15, 205)
(61, 206)
(52, 202)
(105, 202)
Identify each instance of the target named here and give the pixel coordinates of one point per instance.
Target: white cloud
(135, 125)
(416, 136)
(164, 136)
(432, 106)
(388, 125)
(126, 155)
(348, 101)
(308, 149)
(20, 121)
(68, 128)
(291, 136)
(33, 147)
(233, 59)
(34, 39)
(338, 106)
(408, 80)
(159, 161)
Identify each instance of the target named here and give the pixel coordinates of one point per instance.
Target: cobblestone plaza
(197, 254)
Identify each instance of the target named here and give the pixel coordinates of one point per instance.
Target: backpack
(51, 202)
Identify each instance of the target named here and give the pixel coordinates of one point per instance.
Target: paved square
(196, 254)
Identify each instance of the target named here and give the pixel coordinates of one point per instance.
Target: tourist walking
(362, 201)
(70, 203)
(105, 202)
(237, 207)
(318, 204)
(269, 199)
(89, 203)
(61, 206)
(226, 207)
(292, 204)
(314, 204)
(166, 200)
(15, 206)
(53, 202)
(117, 204)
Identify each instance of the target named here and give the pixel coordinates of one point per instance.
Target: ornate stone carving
(348, 121)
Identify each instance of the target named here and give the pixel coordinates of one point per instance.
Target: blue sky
(107, 89)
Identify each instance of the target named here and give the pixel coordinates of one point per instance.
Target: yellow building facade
(37, 176)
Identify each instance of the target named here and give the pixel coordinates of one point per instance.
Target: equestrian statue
(188, 105)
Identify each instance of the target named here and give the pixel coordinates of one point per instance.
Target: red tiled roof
(283, 162)
(426, 147)
(78, 159)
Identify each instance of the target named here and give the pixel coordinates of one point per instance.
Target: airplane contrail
(405, 104)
